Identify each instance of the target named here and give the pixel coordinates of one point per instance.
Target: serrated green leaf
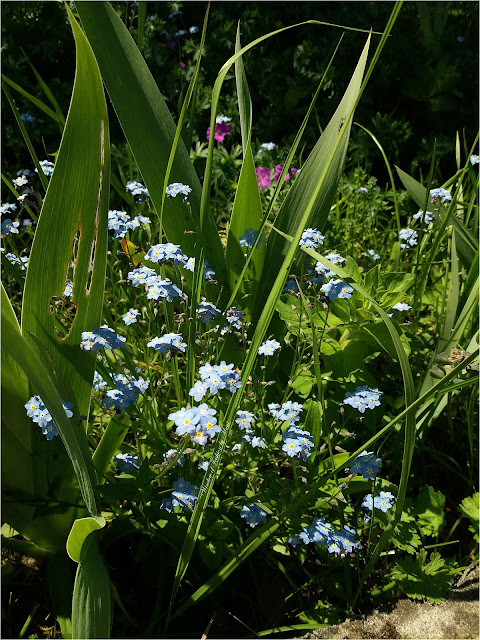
(471, 509)
(420, 580)
(429, 509)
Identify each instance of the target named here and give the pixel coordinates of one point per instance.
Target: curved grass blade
(149, 129)
(390, 174)
(26, 137)
(38, 103)
(247, 206)
(75, 206)
(48, 93)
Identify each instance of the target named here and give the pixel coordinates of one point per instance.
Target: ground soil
(457, 617)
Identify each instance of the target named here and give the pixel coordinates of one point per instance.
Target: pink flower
(182, 64)
(278, 171)
(263, 177)
(221, 131)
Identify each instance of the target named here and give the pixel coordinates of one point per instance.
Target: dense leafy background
(426, 81)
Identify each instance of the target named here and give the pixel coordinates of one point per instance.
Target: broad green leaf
(81, 529)
(111, 439)
(309, 200)
(75, 207)
(41, 379)
(149, 129)
(92, 603)
(30, 464)
(430, 511)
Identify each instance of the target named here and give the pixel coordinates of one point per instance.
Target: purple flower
(263, 177)
(221, 130)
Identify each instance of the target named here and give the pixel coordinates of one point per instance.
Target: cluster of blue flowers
(424, 216)
(268, 348)
(155, 286)
(245, 421)
(160, 253)
(444, 194)
(101, 338)
(366, 464)
(363, 398)
(291, 286)
(297, 443)
(7, 207)
(27, 117)
(184, 495)
(170, 454)
(253, 514)
(337, 289)
(338, 541)
(208, 272)
(384, 501)
(288, 411)
(127, 462)
(172, 342)
(47, 167)
(120, 222)
(311, 238)
(8, 227)
(235, 318)
(199, 422)
(409, 237)
(177, 188)
(137, 190)
(372, 254)
(126, 391)
(38, 412)
(207, 312)
(131, 316)
(323, 272)
(215, 377)
(13, 259)
(249, 237)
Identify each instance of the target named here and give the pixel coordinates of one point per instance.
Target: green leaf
(40, 378)
(112, 438)
(75, 207)
(308, 202)
(470, 508)
(429, 509)
(420, 580)
(81, 529)
(91, 605)
(247, 207)
(467, 242)
(149, 129)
